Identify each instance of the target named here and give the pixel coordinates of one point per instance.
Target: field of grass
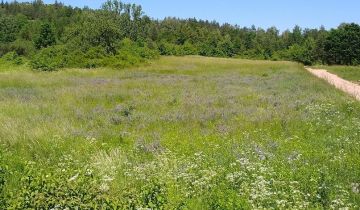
(351, 73)
(180, 133)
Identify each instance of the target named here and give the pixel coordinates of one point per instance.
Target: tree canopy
(30, 28)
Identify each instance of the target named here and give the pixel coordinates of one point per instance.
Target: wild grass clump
(65, 185)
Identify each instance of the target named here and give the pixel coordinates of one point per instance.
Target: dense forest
(51, 36)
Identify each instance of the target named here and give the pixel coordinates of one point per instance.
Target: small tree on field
(46, 37)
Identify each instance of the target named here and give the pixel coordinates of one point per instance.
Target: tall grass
(187, 133)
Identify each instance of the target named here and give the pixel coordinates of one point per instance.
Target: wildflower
(104, 187)
(88, 172)
(355, 188)
(74, 177)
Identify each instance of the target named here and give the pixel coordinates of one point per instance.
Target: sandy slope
(344, 85)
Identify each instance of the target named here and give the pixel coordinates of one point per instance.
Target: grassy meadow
(178, 133)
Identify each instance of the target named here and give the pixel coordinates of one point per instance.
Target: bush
(4, 48)
(168, 49)
(147, 53)
(178, 50)
(13, 57)
(122, 60)
(76, 58)
(23, 47)
(55, 57)
(189, 49)
(128, 53)
(49, 59)
(252, 54)
(302, 54)
(211, 50)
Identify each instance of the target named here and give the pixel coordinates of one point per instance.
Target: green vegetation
(127, 53)
(56, 36)
(351, 73)
(343, 45)
(185, 132)
(180, 133)
(12, 62)
(46, 37)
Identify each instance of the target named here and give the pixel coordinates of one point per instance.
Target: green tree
(83, 30)
(303, 53)
(342, 46)
(9, 28)
(95, 29)
(296, 35)
(46, 37)
(226, 46)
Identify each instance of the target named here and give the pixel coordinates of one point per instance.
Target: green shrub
(78, 59)
(147, 53)
(252, 54)
(189, 49)
(23, 47)
(20, 47)
(211, 50)
(124, 59)
(49, 59)
(178, 50)
(300, 53)
(13, 57)
(167, 49)
(4, 48)
(127, 54)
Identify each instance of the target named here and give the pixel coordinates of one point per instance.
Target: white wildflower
(355, 188)
(104, 187)
(74, 177)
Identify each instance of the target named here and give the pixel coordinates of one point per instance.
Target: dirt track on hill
(342, 84)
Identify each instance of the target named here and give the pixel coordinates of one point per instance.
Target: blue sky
(262, 13)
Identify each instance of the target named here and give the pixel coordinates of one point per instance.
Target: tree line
(56, 35)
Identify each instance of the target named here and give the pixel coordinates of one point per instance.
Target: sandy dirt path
(344, 85)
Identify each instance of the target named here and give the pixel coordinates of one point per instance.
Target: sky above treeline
(284, 14)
